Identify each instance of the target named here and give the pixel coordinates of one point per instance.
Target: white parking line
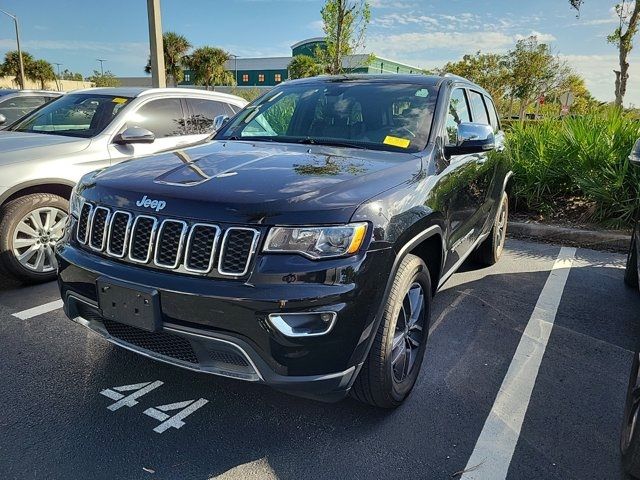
(494, 448)
(39, 310)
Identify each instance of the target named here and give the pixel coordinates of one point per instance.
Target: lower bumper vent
(161, 343)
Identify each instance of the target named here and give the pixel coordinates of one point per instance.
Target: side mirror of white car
(135, 135)
(219, 121)
(3, 119)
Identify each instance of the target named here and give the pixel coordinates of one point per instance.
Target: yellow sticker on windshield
(396, 141)
(119, 100)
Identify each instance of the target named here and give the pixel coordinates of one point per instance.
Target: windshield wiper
(331, 143)
(249, 139)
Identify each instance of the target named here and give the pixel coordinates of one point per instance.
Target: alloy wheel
(35, 236)
(632, 409)
(409, 333)
(501, 226)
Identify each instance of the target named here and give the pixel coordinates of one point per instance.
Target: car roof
(7, 91)
(415, 79)
(134, 92)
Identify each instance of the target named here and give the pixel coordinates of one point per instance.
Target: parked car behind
(300, 248)
(15, 104)
(630, 433)
(44, 154)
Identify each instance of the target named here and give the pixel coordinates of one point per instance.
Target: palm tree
(302, 66)
(40, 71)
(208, 66)
(11, 65)
(175, 48)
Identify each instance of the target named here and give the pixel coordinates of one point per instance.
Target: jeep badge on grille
(157, 205)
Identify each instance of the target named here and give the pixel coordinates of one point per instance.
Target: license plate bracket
(130, 304)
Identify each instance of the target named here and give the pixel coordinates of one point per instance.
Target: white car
(15, 104)
(43, 155)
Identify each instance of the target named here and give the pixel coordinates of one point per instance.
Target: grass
(584, 157)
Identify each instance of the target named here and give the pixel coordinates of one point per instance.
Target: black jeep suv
(302, 246)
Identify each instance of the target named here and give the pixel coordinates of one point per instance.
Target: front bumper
(221, 327)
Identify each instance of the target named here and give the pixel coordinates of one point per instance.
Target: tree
(11, 65)
(175, 49)
(344, 23)
(534, 71)
(302, 66)
(69, 75)
(208, 67)
(628, 13)
(40, 71)
(106, 79)
(489, 70)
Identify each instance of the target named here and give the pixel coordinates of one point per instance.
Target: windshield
(76, 115)
(379, 116)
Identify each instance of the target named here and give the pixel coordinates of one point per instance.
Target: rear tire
(631, 269)
(490, 250)
(630, 434)
(29, 228)
(393, 364)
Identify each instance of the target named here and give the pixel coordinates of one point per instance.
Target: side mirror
(472, 138)
(634, 158)
(3, 119)
(135, 135)
(219, 121)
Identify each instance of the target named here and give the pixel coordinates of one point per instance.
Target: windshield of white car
(76, 115)
(372, 115)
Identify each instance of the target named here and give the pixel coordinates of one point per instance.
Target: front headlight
(317, 242)
(75, 202)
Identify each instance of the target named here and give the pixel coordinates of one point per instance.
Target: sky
(424, 33)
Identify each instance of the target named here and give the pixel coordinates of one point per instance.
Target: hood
(254, 182)
(14, 145)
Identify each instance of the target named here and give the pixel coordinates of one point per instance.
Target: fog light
(303, 324)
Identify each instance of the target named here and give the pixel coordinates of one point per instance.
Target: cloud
(542, 37)
(597, 71)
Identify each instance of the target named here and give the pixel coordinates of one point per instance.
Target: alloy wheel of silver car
(35, 236)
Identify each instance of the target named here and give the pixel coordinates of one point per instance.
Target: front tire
(29, 228)
(490, 250)
(393, 364)
(630, 434)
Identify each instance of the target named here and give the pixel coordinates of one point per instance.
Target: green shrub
(584, 156)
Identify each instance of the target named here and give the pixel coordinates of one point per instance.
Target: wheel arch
(56, 186)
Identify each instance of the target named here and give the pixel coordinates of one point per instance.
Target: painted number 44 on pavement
(128, 395)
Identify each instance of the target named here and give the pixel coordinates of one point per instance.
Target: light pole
(235, 59)
(15, 21)
(158, 76)
(58, 79)
(101, 60)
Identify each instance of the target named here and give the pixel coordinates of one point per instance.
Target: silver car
(43, 155)
(15, 104)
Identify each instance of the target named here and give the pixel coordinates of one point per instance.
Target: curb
(597, 240)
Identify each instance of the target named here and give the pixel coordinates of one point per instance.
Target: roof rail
(451, 75)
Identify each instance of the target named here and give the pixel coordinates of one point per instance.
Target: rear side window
(493, 115)
(162, 117)
(202, 113)
(479, 110)
(457, 113)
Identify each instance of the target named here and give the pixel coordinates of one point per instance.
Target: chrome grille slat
(119, 233)
(168, 243)
(98, 228)
(142, 240)
(242, 254)
(82, 234)
(200, 246)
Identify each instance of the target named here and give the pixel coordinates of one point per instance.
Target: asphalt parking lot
(65, 413)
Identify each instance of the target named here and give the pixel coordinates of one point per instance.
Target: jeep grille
(167, 243)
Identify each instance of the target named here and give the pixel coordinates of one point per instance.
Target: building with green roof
(270, 71)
